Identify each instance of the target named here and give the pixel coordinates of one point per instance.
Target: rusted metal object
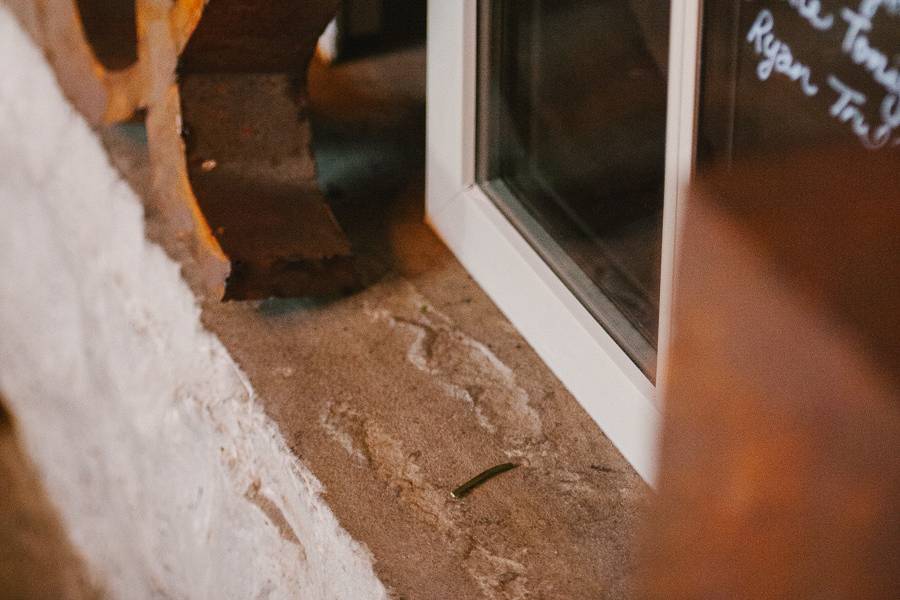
(780, 459)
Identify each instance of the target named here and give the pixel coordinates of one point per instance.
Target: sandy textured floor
(397, 394)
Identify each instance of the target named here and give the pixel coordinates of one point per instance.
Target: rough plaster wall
(168, 477)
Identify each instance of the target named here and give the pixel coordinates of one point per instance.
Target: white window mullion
(451, 91)
(681, 136)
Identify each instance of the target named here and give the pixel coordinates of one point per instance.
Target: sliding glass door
(560, 138)
(564, 136)
(571, 147)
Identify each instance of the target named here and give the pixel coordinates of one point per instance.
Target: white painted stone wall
(168, 477)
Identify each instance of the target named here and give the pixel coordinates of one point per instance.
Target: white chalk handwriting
(856, 45)
(848, 109)
(811, 10)
(850, 105)
(777, 55)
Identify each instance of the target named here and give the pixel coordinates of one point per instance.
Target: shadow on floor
(368, 119)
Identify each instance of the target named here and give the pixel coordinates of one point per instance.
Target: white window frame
(592, 366)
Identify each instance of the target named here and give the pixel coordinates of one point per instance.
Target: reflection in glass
(572, 116)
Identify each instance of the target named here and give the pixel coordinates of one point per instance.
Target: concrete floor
(395, 395)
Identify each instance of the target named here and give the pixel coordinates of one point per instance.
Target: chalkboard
(781, 74)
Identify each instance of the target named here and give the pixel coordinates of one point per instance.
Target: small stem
(473, 483)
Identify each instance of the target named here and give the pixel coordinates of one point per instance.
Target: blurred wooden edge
(779, 464)
(163, 29)
(106, 97)
(103, 96)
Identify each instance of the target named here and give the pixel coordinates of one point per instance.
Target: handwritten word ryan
(777, 55)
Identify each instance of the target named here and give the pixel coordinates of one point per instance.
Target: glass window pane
(572, 117)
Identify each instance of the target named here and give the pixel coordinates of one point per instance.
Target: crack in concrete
(468, 370)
